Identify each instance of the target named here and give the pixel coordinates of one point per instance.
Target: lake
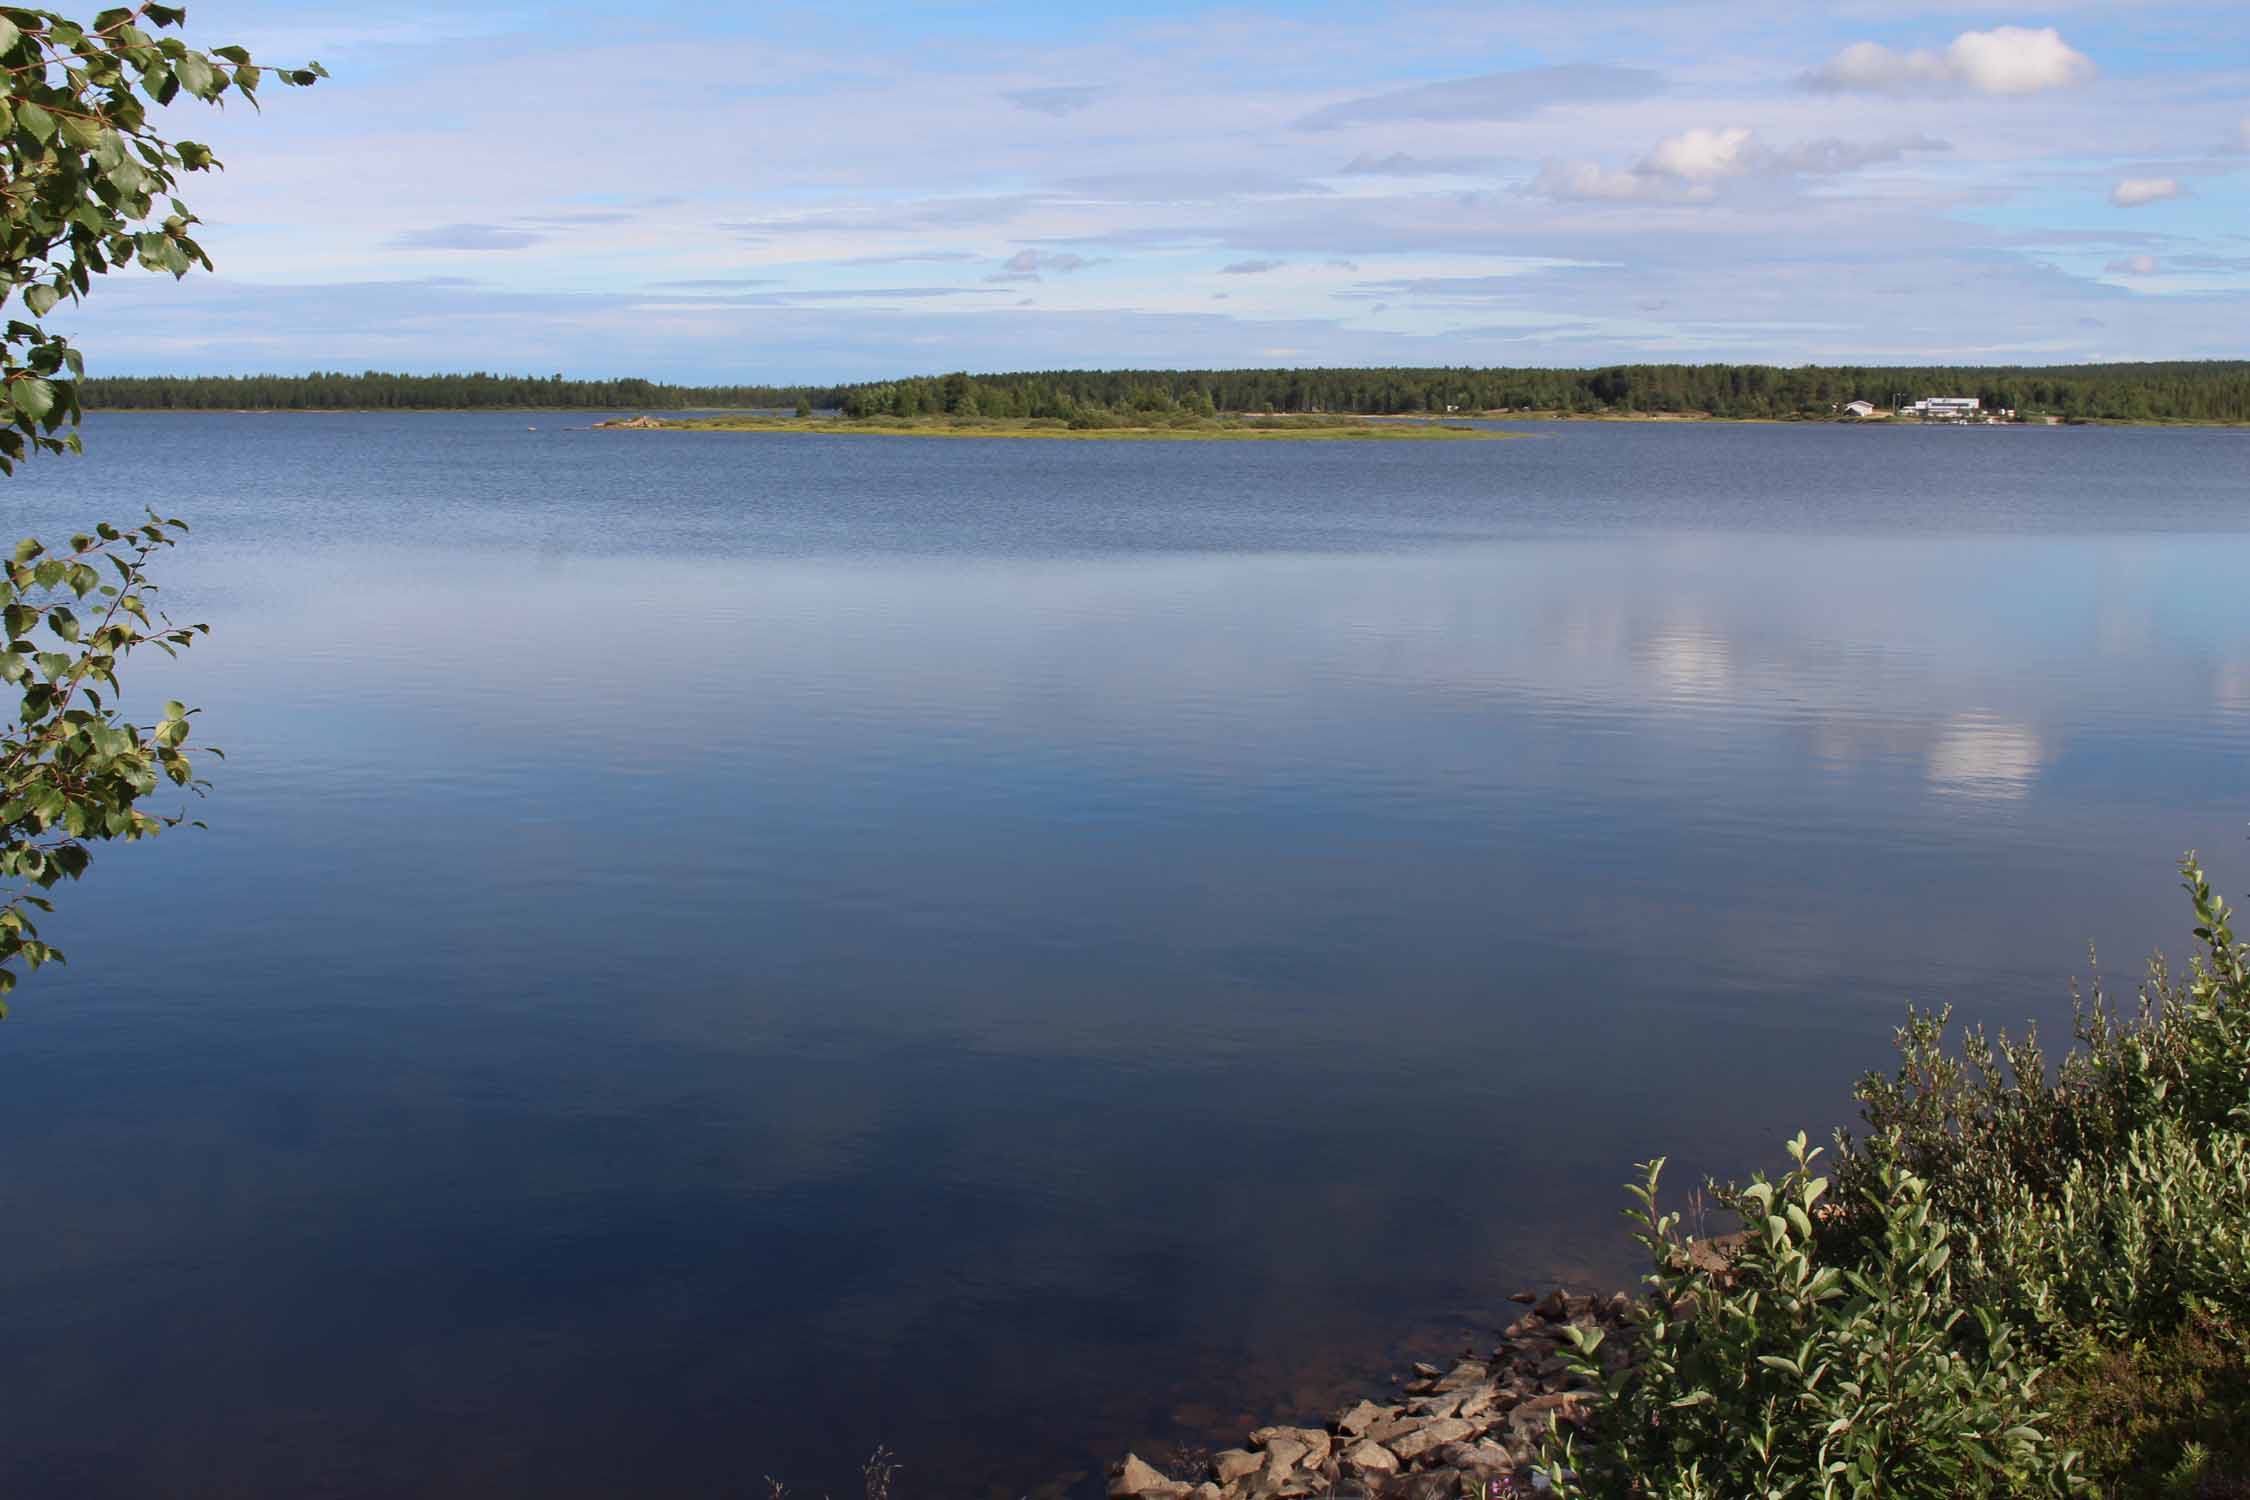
(716, 952)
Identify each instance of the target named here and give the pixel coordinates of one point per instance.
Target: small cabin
(1860, 409)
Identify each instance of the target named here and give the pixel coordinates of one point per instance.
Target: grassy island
(1137, 427)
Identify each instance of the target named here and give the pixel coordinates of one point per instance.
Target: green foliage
(85, 187)
(2130, 1245)
(2114, 1195)
(73, 769)
(1773, 1372)
(85, 184)
(2025, 1282)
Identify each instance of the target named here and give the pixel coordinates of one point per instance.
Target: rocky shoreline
(1449, 1433)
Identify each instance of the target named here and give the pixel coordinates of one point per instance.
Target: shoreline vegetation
(2208, 392)
(1176, 428)
(2018, 1280)
(714, 418)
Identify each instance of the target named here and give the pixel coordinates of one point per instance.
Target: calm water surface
(716, 952)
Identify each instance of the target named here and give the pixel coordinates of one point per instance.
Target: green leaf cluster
(2001, 1229)
(74, 770)
(86, 184)
(2113, 1190)
(1780, 1372)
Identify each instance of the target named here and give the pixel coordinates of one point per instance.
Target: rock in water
(1370, 1458)
(1355, 1422)
(1135, 1479)
(1414, 1444)
(1234, 1463)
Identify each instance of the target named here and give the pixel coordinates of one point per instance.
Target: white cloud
(1796, 244)
(2132, 265)
(1591, 181)
(2004, 60)
(1699, 155)
(1684, 168)
(2134, 192)
(1678, 169)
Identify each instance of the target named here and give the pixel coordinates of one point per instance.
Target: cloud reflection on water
(1976, 755)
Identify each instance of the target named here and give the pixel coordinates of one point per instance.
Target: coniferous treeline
(2196, 391)
(377, 390)
(2208, 391)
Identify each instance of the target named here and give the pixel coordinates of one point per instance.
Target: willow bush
(2021, 1281)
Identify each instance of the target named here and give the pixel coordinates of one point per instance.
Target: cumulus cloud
(1491, 96)
(1680, 168)
(1590, 181)
(2134, 192)
(1057, 99)
(1687, 167)
(1251, 267)
(466, 237)
(1698, 155)
(2004, 60)
(2132, 265)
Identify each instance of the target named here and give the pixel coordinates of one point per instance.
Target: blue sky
(800, 192)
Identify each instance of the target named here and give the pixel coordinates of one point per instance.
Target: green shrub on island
(2018, 1283)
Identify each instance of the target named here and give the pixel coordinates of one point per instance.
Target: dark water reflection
(713, 954)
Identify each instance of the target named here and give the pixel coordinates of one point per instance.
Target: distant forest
(374, 390)
(2191, 391)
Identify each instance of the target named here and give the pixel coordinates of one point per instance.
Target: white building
(1859, 408)
(1947, 406)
